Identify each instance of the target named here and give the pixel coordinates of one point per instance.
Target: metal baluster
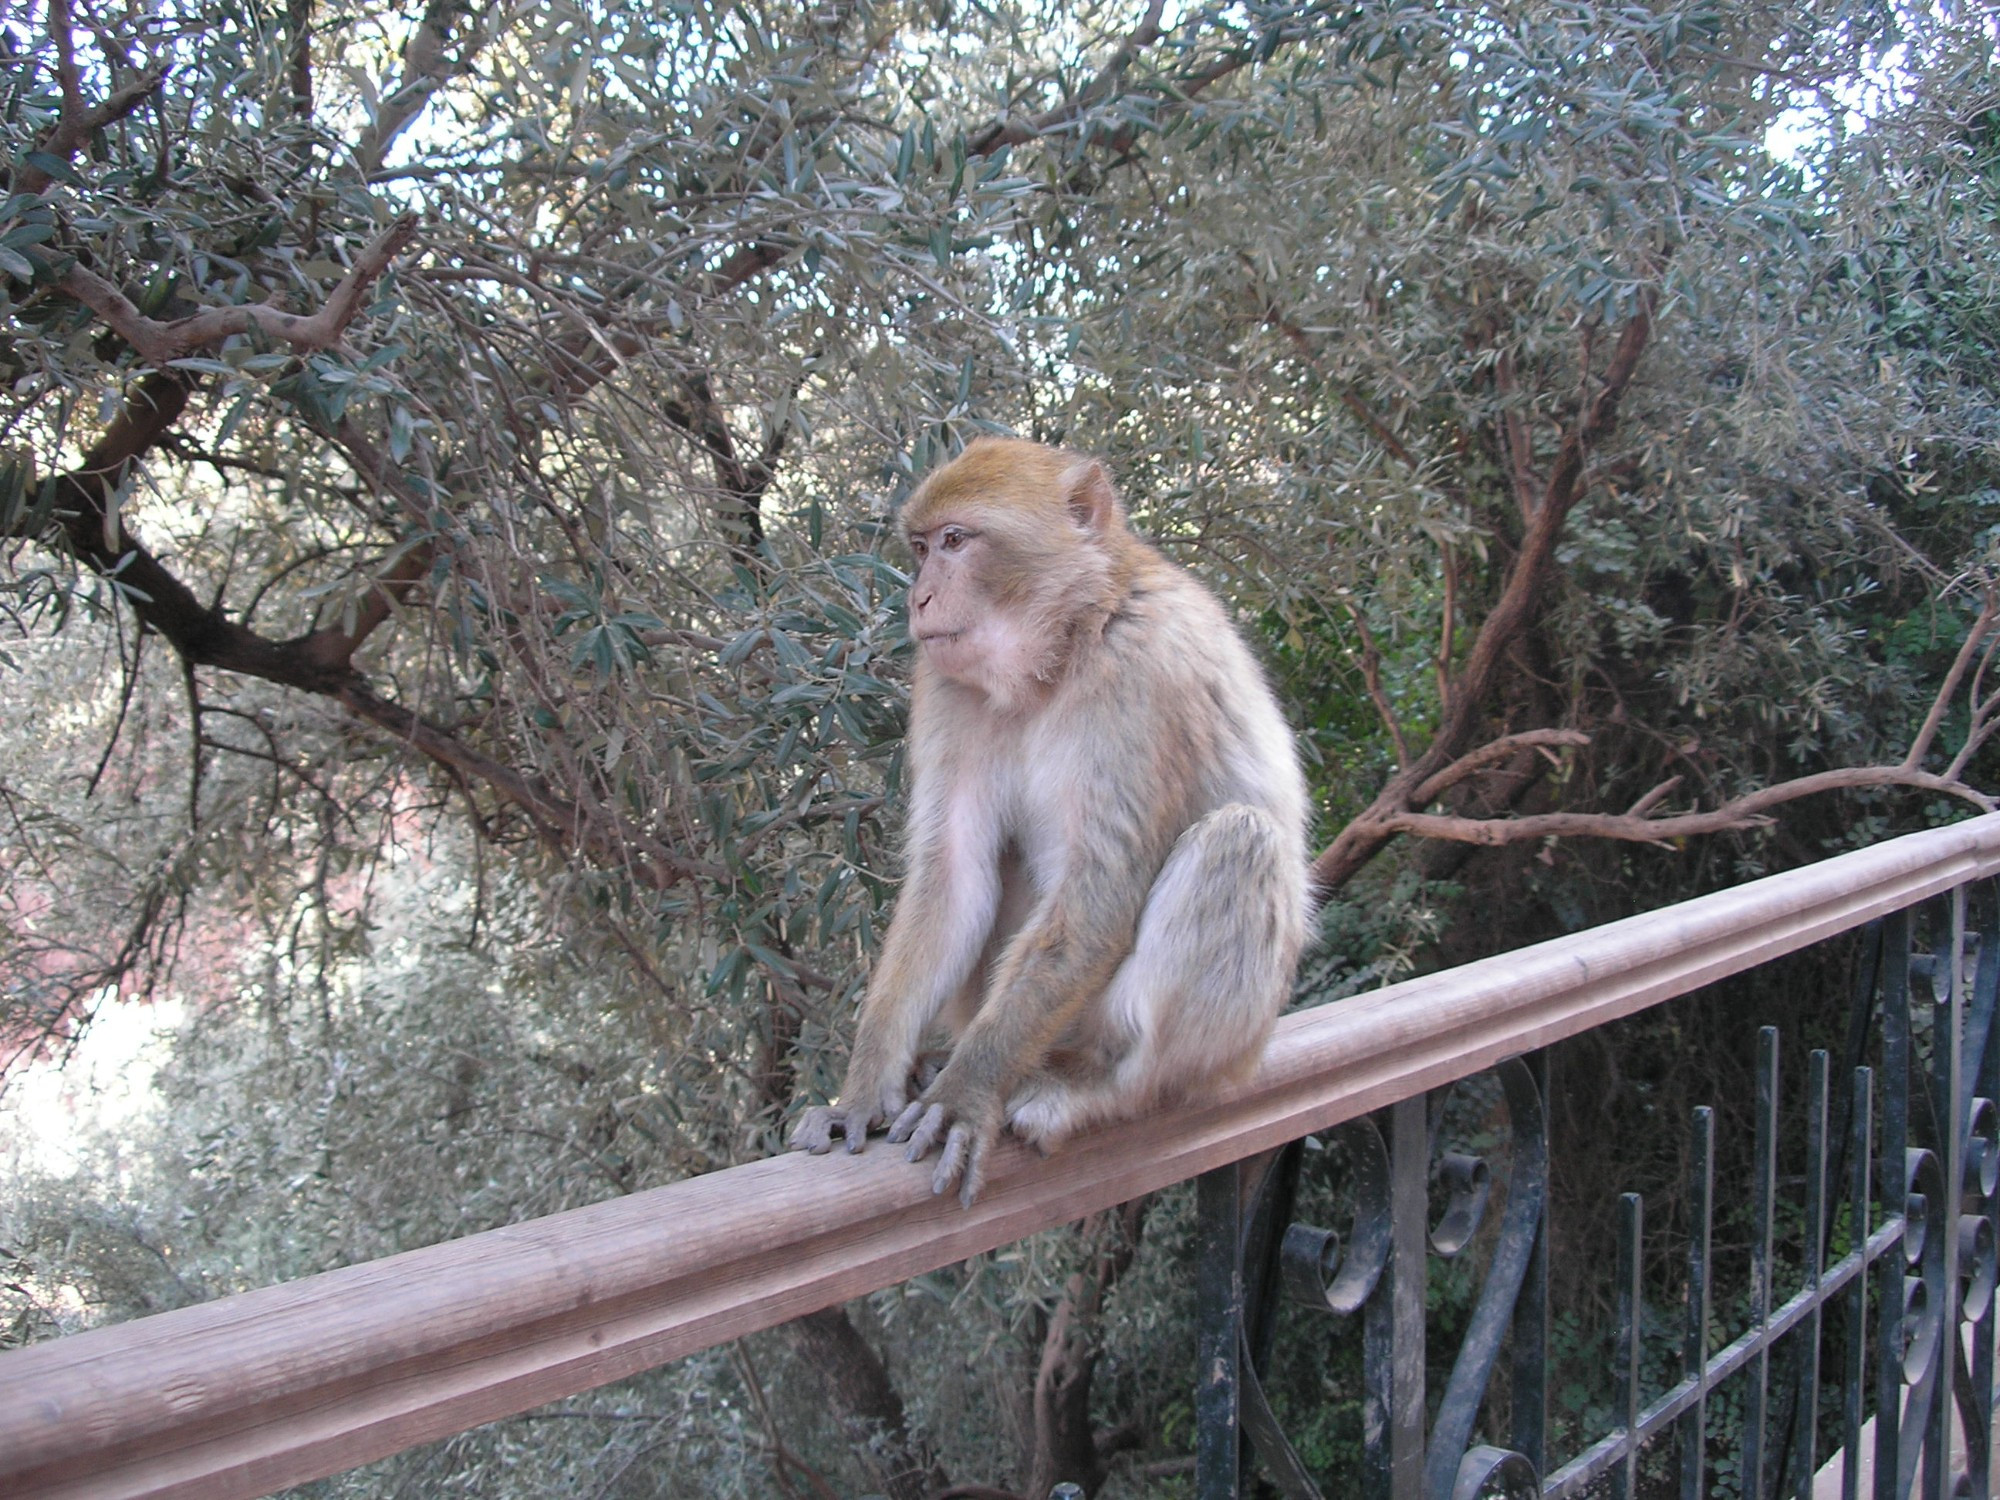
(1280, 1259)
(1219, 1316)
(1694, 1349)
(1531, 1312)
(1393, 1327)
(1631, 1224)
(1947, 1031)
(1805, 1444)
(1895, 1110)
(1451, 1464)
(1866, 989)
(1861, 1170)
(1983, 1064)
(1757, 1379)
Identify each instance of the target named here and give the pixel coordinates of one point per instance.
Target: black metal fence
(1887, 1294)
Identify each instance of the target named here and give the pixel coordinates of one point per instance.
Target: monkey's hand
(817, 1126)
(964, 1121)
(859, 1109)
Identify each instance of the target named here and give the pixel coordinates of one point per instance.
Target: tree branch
(1275, 317)
(1653, 798)
(298, 20)
(1371, 674)
(742, 485)
(1519, 602)
(160, 344)
(1981, 628)
(1640, 825)
(856, 1384)
(1172, 91)
(1491, 753)
(334, 646)
(1746, 811)
(1012, 132)
(79, 120)
(783, 1459)
(1447, 623)
(163, 398)
(561, 824)
(1066, 1447)
(1514, 437)
(317, 663)
(426, 69)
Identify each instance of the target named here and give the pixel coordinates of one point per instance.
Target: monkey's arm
(943, 915)
(1061, 962)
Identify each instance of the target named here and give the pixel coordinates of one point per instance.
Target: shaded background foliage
(456, 651)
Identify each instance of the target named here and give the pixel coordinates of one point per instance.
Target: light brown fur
(1106, 889)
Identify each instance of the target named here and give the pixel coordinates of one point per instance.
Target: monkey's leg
(1194, 1002)
(932, 970)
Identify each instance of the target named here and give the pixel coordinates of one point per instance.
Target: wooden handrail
(250, 1393)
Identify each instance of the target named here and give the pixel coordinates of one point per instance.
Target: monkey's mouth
(941, 638)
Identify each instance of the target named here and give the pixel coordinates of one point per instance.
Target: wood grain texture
(248, 1394)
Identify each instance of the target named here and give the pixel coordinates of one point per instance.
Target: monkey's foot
(817, 1126)
(964, 1157)
(1041, 1115)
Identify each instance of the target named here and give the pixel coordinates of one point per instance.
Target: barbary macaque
(1106, 887)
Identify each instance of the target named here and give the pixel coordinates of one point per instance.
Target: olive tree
(464, 442)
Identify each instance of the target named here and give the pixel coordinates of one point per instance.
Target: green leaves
(26, 222)
(603, 644)
(54, 166)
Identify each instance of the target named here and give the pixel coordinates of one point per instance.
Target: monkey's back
(1195, 700)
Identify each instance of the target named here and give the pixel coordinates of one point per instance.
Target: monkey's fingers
(927, 1131)
(963, 1163)
(904, 1123)
(814, 1131)
(817, 1126)
(854, 1125)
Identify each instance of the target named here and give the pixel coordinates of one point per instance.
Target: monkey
(1105, 892)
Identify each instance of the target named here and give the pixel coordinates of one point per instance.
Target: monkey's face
(993, 597)
(1012, 545)
(957, 617)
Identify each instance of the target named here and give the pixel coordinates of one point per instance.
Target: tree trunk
(1066, 1447)
(861, 1394)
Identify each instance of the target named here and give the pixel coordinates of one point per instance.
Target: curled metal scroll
(1485, 1464)
(1918, 1328)
(1925, 1307)
(1520, 1226)
(1315, 1268)
(1305, 1258)
(1281, 1459)
(1469, 1182)
(1925, 969)
(1977, 1265)
(1923, 1185)
(1982, 1159)
(1978, 1246)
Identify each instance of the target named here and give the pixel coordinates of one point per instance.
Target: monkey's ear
(1093, 504)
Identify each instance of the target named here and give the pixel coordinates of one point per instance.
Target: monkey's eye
(918, 547)
(952, 540)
